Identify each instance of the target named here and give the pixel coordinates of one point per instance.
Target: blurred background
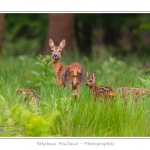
(88, 34)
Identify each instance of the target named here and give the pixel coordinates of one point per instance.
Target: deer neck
(92, 87)
(56, 65)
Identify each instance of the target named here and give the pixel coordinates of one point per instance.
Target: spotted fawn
(98, 92)
(29, 93)
(136, 93)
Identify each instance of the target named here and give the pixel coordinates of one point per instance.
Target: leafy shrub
(21, 120)
(146, 82)
(21, 46)
(24, 34)
(44, 73)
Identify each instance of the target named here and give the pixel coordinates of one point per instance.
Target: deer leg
(71, 91)
(77, 91)
(74, 94)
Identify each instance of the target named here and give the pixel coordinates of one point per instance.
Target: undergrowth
(59, 115)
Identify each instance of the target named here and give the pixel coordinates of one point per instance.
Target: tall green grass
(59, 115)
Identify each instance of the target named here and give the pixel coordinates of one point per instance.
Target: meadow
(57, 114)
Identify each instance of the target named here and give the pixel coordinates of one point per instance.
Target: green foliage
(88, 118)
(146, 82)
(59, 115)
(44, 71)
(112, 65)
(21, 46)
(24, 33)
(22, 121)
(123, 34)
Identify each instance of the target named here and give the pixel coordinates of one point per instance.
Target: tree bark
(60, 26)
(1, 31)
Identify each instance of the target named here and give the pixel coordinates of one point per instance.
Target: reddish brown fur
(98, 92)
(72, 74)
(75, 77)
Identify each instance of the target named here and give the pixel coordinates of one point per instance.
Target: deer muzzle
(55, 56)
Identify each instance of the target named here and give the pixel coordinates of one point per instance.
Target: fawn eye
(52, 50)
(90, 81)
(59, 51)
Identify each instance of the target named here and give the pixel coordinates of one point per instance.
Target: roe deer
(72, 75)
(106, 92)
(29, 93)
(136, 93)
(98, 92)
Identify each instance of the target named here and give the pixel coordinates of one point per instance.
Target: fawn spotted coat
(98, 92)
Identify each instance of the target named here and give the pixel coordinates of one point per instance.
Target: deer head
(56, 50)
(90, 79)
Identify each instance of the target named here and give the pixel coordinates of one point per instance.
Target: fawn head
(90, 79)
(56, 50)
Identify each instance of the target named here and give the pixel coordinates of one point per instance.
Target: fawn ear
(51, 43)
(87, 74)
(94, 74)
(62, 43)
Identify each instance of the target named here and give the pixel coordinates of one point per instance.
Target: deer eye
(52, 50)
(59, 51)
(90, 81)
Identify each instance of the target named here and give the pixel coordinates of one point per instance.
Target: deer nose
(86, 84)
(55, 56)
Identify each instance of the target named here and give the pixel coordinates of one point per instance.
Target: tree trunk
(1, 31)
(60, 26)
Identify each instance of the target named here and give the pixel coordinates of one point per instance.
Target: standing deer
(72, 75)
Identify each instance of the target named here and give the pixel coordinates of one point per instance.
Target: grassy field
(58, 115)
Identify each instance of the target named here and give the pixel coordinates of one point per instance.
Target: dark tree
(60, 26)
(84, 24)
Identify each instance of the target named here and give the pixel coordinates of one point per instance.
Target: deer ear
(62, 43)
(94, 74)
(51, 43)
